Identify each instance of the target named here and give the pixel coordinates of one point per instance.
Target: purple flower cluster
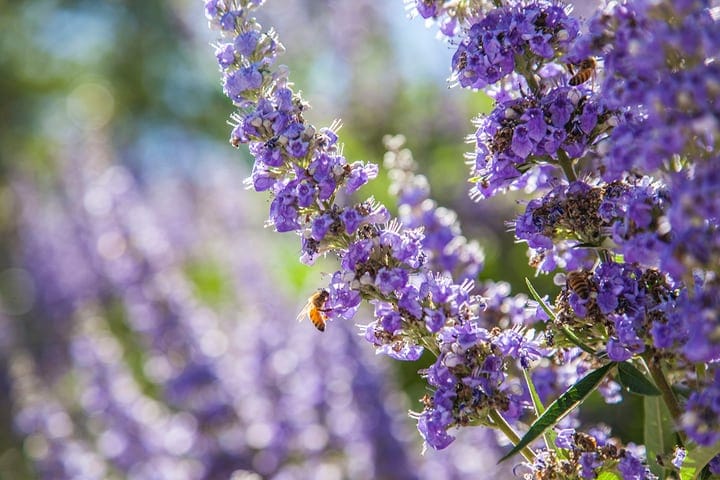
(301, 166)
(585, 457)
(515, 38)
(521, 139)
(557, 223)
(632, 215)
(695, 320)
(656, 69)
(702, 413)
(469, 377)
(639, 219)
(693, 218)
(632, 301)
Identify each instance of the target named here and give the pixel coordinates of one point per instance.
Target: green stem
(668, 395)
(700, 372)
(532, 83)
(566, 165)
(523, 68)
(499, 422)
(579, 343)
(549, 436)
(603, 255)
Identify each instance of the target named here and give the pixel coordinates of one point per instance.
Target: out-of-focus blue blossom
(170, 387)
(702, 411)
(447, 250)
(714, 465)
(657, 70)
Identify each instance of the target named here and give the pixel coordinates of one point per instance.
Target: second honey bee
(315, 309)
(579, 283)
(586, 70)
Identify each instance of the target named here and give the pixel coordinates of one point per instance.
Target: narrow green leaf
(550, 435)
(608, 476)
(658, 432)
(539, 299)
(697, 458)
(537, 403)
(562, 406)
(634, 380)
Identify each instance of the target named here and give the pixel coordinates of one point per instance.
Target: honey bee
(586, 70)
(585, 442)
(462, 61)
(315, 309)
(579, 283)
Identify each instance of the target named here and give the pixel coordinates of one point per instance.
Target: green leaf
(550, 435)
(608, 476)
(539, 299)
(539, 408)
(658, 432)
(696, 459)
(562, 406)
(634, 380)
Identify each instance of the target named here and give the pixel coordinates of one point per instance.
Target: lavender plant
(610, 130)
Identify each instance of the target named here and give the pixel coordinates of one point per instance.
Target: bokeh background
(147, 320)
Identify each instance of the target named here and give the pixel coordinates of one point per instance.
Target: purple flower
(434, 319)
(359, 176)
(715, 465)
(631, 468)
(351, 219)
(560, 108)
(246, 43)
(357, 253)
(236, 83)
(390, 319)
(403, 352)
(512, 344)
(344, 300)
(679, 457)
(702, 411)
(283, 212)
(305, 193)
(617, 352)
(433, 429)
(389, 280)
(321, 225)
(522, 145)
(565, 438)
(589, 461)
(225, 55)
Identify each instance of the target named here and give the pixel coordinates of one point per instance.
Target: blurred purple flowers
(123, 369)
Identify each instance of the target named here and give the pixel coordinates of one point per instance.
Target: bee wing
(305, 312)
